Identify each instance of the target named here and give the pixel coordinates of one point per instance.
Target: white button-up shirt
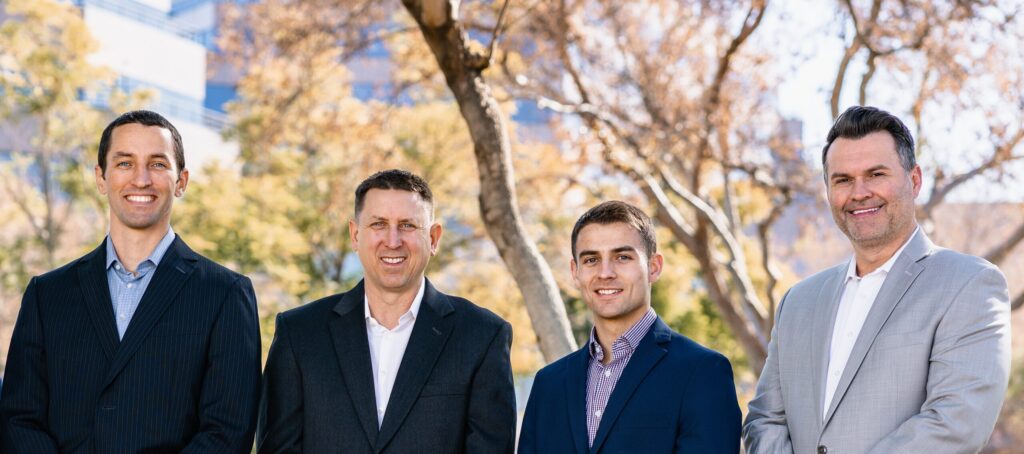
(387, 347)
(858, 297)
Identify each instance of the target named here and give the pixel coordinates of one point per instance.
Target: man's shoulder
(964, 263)
(59, 276)
(314, 311)
(559, 368)
(473, 314)
(687, 353)
(815, 281)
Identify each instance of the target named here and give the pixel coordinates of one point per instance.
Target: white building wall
(148, 54)
(162, 5)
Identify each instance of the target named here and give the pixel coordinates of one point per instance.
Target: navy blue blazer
(453, 391)
(185, 377)
(673, 396)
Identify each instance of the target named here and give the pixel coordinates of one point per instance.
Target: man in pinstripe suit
(142, 345)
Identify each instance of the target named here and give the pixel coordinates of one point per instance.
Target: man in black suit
(142, 345)
(393, 365)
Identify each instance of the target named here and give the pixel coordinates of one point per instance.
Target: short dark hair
(145, 118)
(399, 179)
(859, 121)
(614, 211)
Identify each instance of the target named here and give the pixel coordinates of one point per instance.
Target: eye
(840, 180)
(407, 227)
(589, 260)
(160, 165)
(378, 225)
(124, 164)
(623, 257)
(878, 174)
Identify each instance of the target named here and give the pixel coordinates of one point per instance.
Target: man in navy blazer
(392, 365)
(637, 386)
(142, 345)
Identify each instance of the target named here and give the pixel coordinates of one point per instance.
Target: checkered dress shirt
(601, 378)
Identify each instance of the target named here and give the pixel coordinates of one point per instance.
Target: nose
(607, 270)
(394, 237)
(861, 190)
(141, 177)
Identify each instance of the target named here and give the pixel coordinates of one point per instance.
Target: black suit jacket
(185, 377)
(453, 392)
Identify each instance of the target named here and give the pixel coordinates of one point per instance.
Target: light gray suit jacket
(927, 373)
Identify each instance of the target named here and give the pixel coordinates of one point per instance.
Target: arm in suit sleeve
(967, 376)
(230, 391)
(281, 420)
(491, 417)
(766, 429)
(528, 431)
(710, 414)
(25, 395)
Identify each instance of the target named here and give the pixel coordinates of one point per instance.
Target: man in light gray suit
(905, 348)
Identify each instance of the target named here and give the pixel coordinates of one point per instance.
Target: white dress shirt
(387, 347)
(858, 297)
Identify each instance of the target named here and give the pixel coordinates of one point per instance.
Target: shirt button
(117, 267)
(850, 334)
(380, 411)
(131, 285)
(607, 373)
(836, 373)
(122, 316)
(597, 413)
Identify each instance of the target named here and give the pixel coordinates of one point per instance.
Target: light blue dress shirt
(126, 289)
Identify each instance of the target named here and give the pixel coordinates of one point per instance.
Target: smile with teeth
(865, 211)
(392, 260)
(609, 291)
(141, 198)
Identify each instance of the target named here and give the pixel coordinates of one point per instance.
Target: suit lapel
(576, 397)
(433, 325)
(897, 282)
(92, 276)
(171, 274)
(348, 331)
(824, 318)
(650, 351)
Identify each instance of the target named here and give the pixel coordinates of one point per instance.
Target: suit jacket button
(822, 449)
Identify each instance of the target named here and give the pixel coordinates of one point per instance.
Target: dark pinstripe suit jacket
(185, 377)
(453, 392)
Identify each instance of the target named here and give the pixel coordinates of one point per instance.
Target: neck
(870, 258)
(608, 330)
(134, 246)
(387, 307)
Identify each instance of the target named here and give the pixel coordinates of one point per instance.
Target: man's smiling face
(613, 272)
(395, 237)
(870, 194)
(141, 178)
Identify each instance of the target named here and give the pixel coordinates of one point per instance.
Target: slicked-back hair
(145, 118)
(399, 179)
(859, 121)
(614, 211)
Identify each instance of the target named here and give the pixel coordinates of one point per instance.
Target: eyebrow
(125, 154)
(614, 251)
(381, 218)
(869, 170)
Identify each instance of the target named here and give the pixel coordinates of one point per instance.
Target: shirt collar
(155, 256)
(851, 270)
(632, 336)
(413, 311)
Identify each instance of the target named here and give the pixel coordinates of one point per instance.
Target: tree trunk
(462, 70)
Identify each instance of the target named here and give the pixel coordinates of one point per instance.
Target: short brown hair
(614, 211)
(399, 179)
